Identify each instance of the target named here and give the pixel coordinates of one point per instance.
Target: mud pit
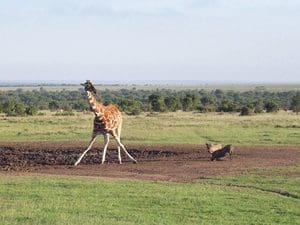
(173, 163)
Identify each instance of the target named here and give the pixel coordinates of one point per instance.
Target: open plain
(174, 181)
(158, 162)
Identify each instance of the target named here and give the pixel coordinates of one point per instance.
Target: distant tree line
(133, 101)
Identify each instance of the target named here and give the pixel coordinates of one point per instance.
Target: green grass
(63, 200)
(164, 128)
(282, 180)
(258, 196)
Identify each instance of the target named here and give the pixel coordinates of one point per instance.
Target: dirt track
(174, 163)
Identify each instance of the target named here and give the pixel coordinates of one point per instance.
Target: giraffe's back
(109, 120)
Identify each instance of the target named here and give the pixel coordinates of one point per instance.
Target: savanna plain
(259, 185)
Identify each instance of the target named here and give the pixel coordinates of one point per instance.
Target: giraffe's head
(88, 86)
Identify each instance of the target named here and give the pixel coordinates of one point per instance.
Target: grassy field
(81, 200)
(163, 128)
(258, 196)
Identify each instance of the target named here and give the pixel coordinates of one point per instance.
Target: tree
(271, 106)
(157, 103)
(245, 111)
(80, 105)
(190, 101)
(53, 105)
(227, 105)
(171, 103)
(295, 104)
(130, 106)
(219, 93)
(258, 106)
(187, 103)
(66, 106)
(14, 107)
(31, 110)
(208, 100)
(207, 103)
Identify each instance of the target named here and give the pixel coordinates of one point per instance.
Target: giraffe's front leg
(89, 147)
(106, 140)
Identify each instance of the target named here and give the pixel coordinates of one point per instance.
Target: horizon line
(142, 82)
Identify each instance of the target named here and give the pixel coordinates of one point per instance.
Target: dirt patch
(172, 162)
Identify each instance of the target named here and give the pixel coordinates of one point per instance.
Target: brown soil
(168, 162)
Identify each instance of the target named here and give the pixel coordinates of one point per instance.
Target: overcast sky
(120, 40)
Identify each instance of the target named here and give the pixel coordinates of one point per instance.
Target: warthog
(221, 152)
(213, 147)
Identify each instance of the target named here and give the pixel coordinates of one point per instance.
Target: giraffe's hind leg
(118, 134)
(124, 149)
(120, 145)
(119, 154)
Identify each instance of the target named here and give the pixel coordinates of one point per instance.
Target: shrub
(157, 103)
(31, 110)
(295, 104)
(271, 106)
(14, 107)
(171, 103)
(245, 111)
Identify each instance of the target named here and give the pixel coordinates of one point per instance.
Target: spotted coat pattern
(107, 118)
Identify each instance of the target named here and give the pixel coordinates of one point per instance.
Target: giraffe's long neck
(96, 107)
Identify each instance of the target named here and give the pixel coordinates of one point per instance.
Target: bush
(227, 105)
(65, 106)
(130, 106)
(295, 104)
(258, 108)
(171, 103)
(14, 107)
(206, 108)
(31, 110)
(157, 103)
(134, 112)
(271, 106)
(245, 111)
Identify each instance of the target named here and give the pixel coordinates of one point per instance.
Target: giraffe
(107, 121)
